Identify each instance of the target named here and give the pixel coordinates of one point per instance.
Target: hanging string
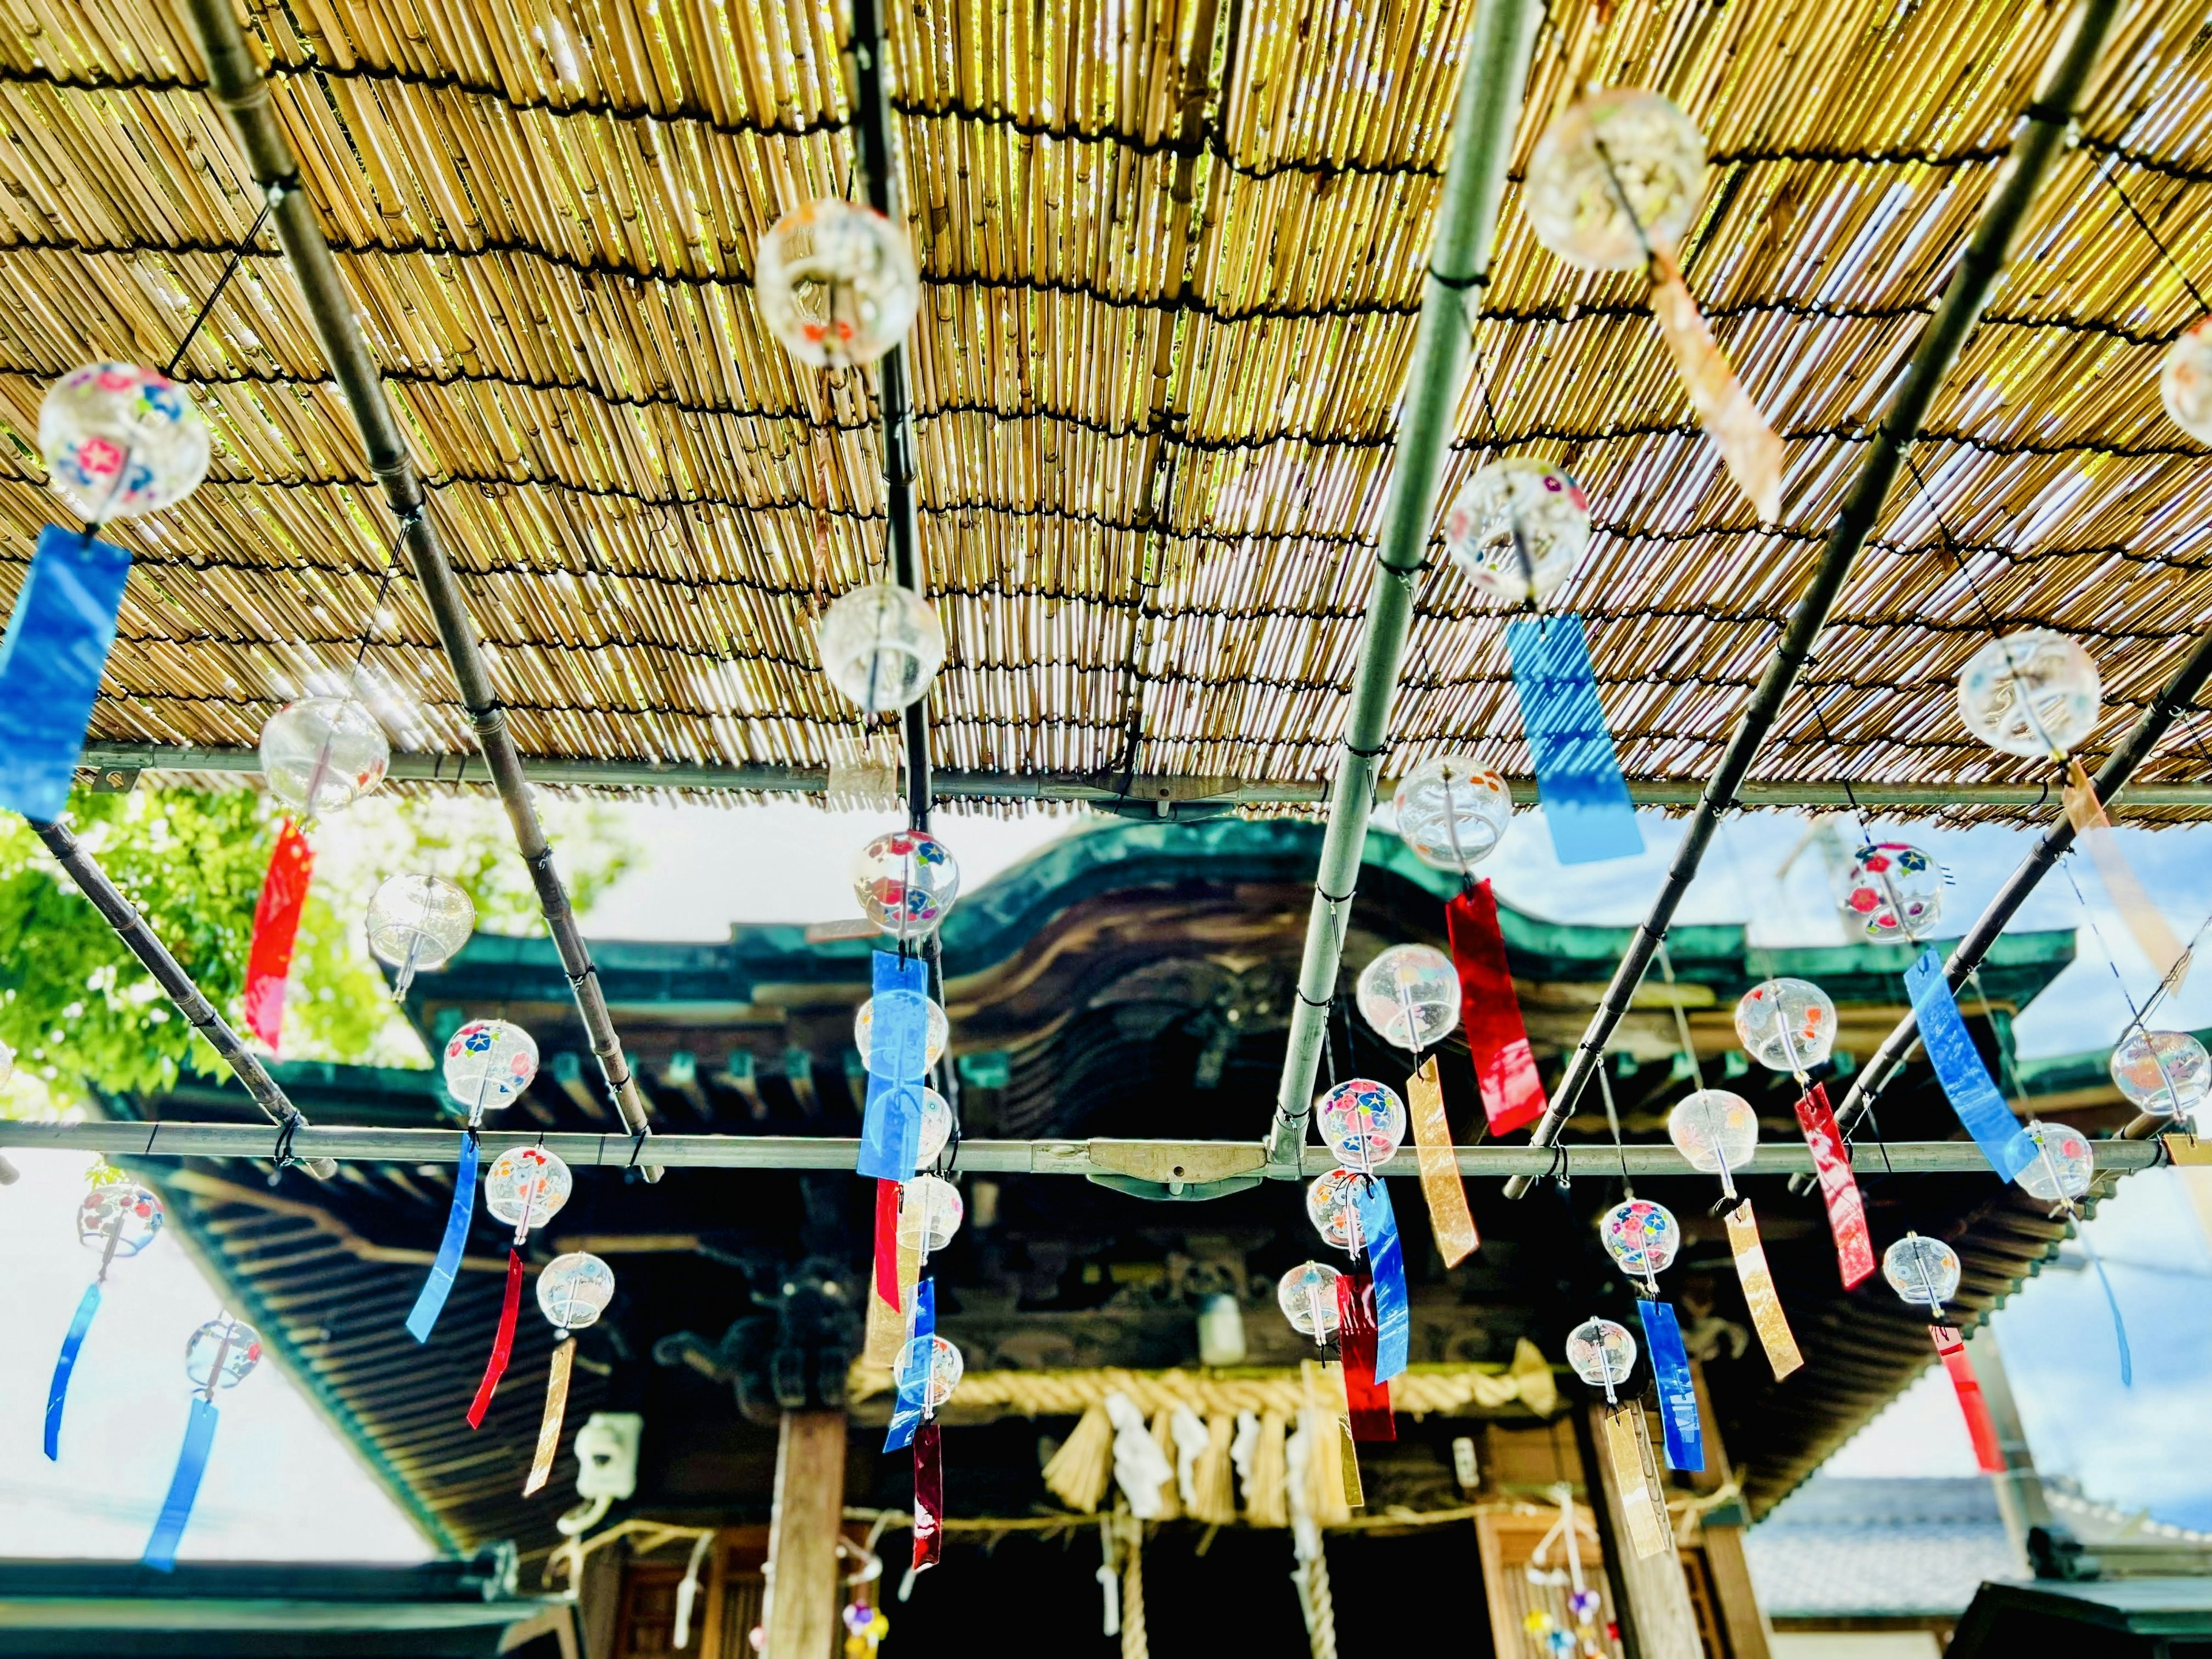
(1613, 1123)
(2109, 172)
(270, 202)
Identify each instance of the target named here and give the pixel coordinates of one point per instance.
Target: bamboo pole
(239, 86)
(1483, 125)
(2035, 147)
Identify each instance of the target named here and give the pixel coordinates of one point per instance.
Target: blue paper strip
(913, 1367)
(1959, 1067)
(184, 1487)
(1577, 773)
(1386, 1258)
(1678, 1395)
(431, 1301)
(51, 661)
(58, 1391)
(898, 1055)
(2112, 1301)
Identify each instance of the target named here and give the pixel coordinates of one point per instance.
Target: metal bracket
(1189, 1171)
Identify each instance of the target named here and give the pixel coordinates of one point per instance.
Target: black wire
(2110, 173)
(230, 268)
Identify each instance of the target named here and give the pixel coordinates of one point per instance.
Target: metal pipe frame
(2035, 147)
(239, 86)
(2178, 698)
(1162, 793)
(1062, 1157)
(189, 1001)
(1484, 121)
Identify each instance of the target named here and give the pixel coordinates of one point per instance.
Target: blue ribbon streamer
(913, 1368)
(898, 1055)
(431, 1301)
(183, 1487)
(1678, 1395)
(51, 661)
(2112, 1301)
(57, 1392)
(1578, 778)
(1386, 1258)
(1959, 1067)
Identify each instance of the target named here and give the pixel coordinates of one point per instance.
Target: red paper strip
(1846, 1210)
(276, 928)
(502, 1342)
(887, 1206)
(1987, 1451)
(928, 1495)
(1368, 1401)
(1496, 1040)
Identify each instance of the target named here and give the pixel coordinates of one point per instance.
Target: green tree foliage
(83, 1016)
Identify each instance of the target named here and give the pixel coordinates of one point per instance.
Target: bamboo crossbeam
(1061, 1158)
(2035, 147)
(1484, 121)
(241, 90)
(1163, 792)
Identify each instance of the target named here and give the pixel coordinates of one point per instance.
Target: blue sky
(283, 1486)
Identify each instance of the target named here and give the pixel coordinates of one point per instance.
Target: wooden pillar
(2021, 1500)
(1653, 1589)
(599, 1599)
(801, 1611)
(1749, 1635)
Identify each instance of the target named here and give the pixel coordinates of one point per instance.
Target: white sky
(283, 1486)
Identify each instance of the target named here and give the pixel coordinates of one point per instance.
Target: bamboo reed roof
(1173, 253)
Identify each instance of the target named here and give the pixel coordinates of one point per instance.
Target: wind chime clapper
(1789, 1025)
(1603, 1354)
(487, 1066)
(1615, 184)
(219, 1355)
(525, 1187)
(2036, 694)
(573, 1291)
(119, 1218)
(1925, 1273)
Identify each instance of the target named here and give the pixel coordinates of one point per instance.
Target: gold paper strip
(887, 1324)
(556, 1407)
(1734, 422)
(1758, 1295)
(1636, 1476)
(1449, 1221)
(1336, 1463)
(2086, 814)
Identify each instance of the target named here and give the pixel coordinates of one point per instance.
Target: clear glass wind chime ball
(1362, 1121)
(1622, 143)
(418, 923)
(319, 755)
(2184, 381)
(1307, 1295)
(490, 1062)
(2165, 1073)
(1786, 1024)
(526, 1181)
(2030, 693)
(138, 1211)
(1922, 1270)
(1601, 1352)
(1522, 494)
(1712, 1127)
(863, 1031)
(1642, 1238)
(930, 1214)
(838, 282)
(881, 645)
(936, 1126)
(906, 880)
(119, 440)
(1893, 890)
(2064, 1169)
(1410, 994)
(226, 1350)
(575, 1289)
(1452, 812)
(946, 1368)
(1333, 1207)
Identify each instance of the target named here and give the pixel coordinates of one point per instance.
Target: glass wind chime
(487, 1066)
(119, 1218)
(573, 1291)
(524, 1188)
(1789, 1025)
(220, 1355)
(1603, 1354)
(1925, 1271)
